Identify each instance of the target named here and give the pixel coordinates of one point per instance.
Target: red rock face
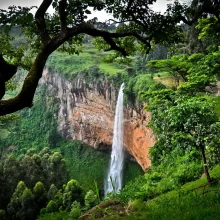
(88, 115)
(138, 139)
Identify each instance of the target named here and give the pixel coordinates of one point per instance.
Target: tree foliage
(70, 22)
(177, 66)
(21, 205)
(47, 167)
(182, 121)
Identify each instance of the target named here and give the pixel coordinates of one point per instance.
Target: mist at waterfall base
(113, 183)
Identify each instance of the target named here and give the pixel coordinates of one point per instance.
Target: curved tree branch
(50, 44)
(40, 20)
(26, 95)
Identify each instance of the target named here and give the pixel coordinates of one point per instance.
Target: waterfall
(113, 182)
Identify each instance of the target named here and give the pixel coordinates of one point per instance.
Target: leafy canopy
(138, 26)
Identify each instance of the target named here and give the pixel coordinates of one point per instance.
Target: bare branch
(26, 95)
(40, 20)
(144, 40)
(183, 19)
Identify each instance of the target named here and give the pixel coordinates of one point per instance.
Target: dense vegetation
(175, 157)
(43, 175)
(185, 118)
(42, 158)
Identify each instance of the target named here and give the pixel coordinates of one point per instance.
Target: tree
(36, 171)
(177, 66)
(202, 74)
(10, 175)
(3, 214)
(21, 205)
(195, 119)
(197, 71)
(208, 29)
(6, 119)
(75, 210)
(40, 196)
(140, 62)
(6, 73)
(72, 192)
(91, 199)
(52, 192)
(46, 33)
(182, 121)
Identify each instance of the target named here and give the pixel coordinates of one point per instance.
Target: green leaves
(72, 192)
(203, 72)
(91, 199)
(16, 16)
(177, 66)
(209, 31)
(183, 119)
(196, 71)
(21, 205)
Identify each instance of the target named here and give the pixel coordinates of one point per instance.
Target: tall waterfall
(113, 182)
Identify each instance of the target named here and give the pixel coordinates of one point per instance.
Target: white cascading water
(113, 182)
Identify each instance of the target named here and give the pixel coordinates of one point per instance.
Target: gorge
(59, 81)
(86, 113)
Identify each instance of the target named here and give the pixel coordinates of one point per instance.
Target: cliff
(86, 113)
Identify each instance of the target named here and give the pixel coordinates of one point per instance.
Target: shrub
(75, 210)
(2, 214)
(72, 192)
(52, 206)
(90, 199)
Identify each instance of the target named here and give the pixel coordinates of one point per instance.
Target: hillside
(62, 154)
(194, 200)
(71, 65)
(171, 173)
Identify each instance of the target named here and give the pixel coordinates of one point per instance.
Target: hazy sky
(5, 3)
(160, 5)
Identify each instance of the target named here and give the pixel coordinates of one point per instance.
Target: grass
(111, 69)
(159, 74)
(70, 65)
(193, 201)
(165, 79)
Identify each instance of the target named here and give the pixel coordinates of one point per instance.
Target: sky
(160, 5)
(5, 3)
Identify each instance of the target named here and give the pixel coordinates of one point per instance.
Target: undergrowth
(84, 163)
(195, 200)
(174, 171)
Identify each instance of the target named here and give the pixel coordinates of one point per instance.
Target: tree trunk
(205, 166)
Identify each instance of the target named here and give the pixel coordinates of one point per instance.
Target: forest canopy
(170, 65)
(138, 27)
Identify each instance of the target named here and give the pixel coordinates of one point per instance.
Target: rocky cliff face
(86, 113)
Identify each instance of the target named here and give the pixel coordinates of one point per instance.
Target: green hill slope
(194, 200)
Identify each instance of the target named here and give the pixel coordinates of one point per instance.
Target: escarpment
(86, 113)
